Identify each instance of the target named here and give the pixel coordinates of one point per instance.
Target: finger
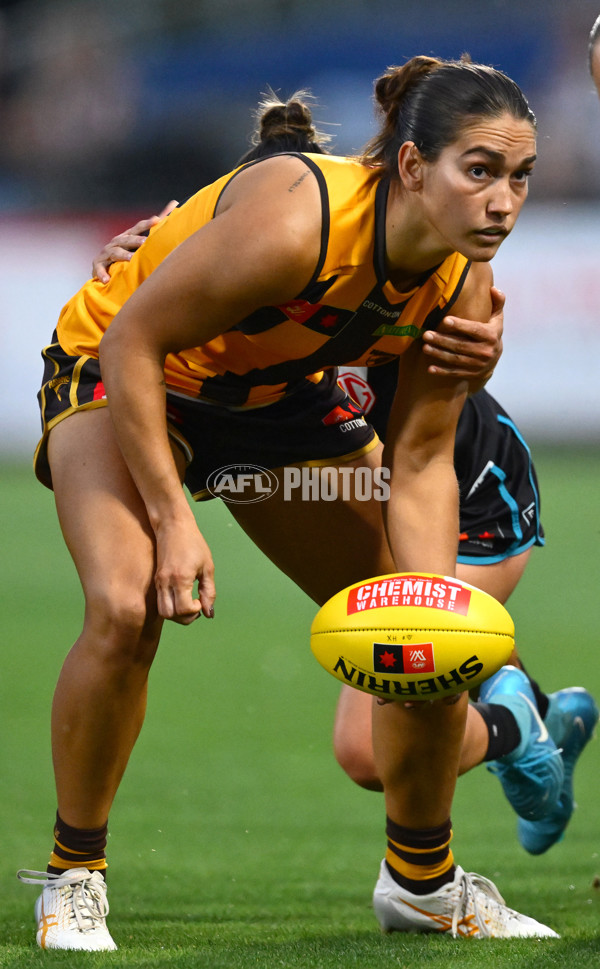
(185, 608)
(125, 243)
(145, 224)
(171, 606)
(99, 272)
(106, 258)
(119, 249)
(142, 226)
(164, 602)
(452, 330)
(449, 701)
(207, 595)
(186, 620)
(168, 209)
(459, 352)
(466, 367)
(175, 602)
(464, 336)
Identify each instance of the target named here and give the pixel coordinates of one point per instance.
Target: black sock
(78, 848)
(420, 860)
(540, 698)
(504, 735)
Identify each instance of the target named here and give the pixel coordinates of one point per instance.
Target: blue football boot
(571, 719)
(532, 775)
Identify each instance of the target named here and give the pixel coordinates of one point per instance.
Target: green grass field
(236, 841)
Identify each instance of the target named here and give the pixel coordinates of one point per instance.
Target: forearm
(421, 519)
(134, 381)
(135, 388)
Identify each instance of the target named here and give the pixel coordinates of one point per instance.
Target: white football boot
(71, 911)
(468, 907)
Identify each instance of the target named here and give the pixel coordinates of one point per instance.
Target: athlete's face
(473, 192)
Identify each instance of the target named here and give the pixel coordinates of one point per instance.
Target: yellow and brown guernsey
(348, 314)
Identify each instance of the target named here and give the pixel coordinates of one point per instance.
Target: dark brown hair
(428, 101)
(284, 126)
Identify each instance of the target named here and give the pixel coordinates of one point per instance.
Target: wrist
(172, 512)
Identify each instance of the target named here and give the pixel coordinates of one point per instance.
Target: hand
(465, 348)
(121, 248)
(183, 557)
(447, 701)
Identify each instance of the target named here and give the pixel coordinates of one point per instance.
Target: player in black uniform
(499, 526)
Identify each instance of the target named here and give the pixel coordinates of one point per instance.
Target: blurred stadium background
(109, 110)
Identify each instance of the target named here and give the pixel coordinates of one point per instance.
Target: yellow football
(412, 636)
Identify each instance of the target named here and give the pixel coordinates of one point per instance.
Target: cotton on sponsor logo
(410, 590)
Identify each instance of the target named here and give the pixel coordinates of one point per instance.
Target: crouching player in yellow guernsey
(218, 340)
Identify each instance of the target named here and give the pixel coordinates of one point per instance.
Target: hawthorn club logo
(403, 658)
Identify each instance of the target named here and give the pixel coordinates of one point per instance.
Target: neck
(411, 249)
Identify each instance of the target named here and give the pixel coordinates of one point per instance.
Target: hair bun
(281, 119)
(392, 87)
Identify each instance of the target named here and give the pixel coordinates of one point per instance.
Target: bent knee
(122, 622)
(358, 764)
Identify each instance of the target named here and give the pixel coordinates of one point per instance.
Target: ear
(410, 166)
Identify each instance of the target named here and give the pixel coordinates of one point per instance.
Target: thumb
(498, 300)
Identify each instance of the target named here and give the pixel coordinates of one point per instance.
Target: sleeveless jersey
(348, 314)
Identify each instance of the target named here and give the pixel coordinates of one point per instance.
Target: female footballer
(216, 345)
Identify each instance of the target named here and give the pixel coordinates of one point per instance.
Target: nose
(501, 201)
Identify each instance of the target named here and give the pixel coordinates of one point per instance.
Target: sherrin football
(412, 636)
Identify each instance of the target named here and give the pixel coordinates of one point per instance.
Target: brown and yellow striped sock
(420, 860)
(78, 848)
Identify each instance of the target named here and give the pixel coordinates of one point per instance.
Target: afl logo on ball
(242, 483)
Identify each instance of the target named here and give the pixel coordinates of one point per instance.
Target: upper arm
(260, 249)
(475, 301)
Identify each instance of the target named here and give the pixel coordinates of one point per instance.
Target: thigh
(101, 513)
(498, 579)
(323, 545)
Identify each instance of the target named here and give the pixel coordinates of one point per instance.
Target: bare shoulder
(285, 182)
(275, 208)
(475, 301)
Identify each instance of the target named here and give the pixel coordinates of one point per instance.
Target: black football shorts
(499, 496)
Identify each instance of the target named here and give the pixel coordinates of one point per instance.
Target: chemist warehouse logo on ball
(250, 483)
(410, 590)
